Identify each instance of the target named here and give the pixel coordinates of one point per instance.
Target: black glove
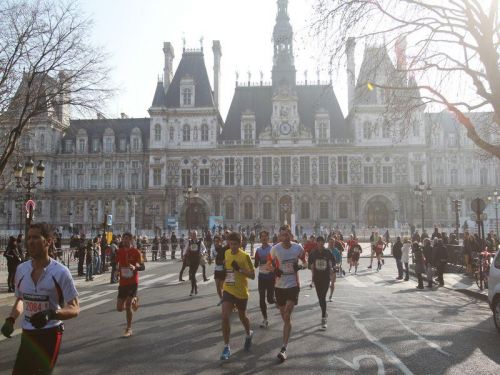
(40, 319)
(8, 327)
(297, 267)
(278, 272)
(235, 265)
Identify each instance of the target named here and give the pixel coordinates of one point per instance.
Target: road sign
(30, 205)
(477, 205)
(109, 221)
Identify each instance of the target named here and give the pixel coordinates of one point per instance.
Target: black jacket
(397, 250)
(440, 254)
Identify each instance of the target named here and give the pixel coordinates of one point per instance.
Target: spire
(283, 64)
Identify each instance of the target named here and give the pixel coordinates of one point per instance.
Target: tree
(453, 61)
(47, 66)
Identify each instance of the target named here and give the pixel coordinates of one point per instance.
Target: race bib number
(126, 272)
(287, 268)
(230, 280)
(265, 268)
(194, 247)
(34, 303)
(321, 264)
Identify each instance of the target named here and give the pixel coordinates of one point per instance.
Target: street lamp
(155, 210)
(189, 193)
(105, 223)
(457, 204)
(93, 214)
(70, 215)
(496, 200)
(28, 184)
(421, 191)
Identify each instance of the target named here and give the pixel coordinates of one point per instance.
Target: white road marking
(355, 365)
(355, 282)
(429, 343)
(96, 295)
(95, 304)
(391, 357)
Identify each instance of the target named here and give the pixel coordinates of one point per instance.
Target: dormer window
(187, 92)
(187, 95)
(171, 134)
(157, 132)
(248, 132)
(69, 146)
(81, 145)
(322, 130)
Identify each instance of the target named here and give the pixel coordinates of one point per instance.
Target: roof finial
(183, 43)
(317, 75)
(249, 74)
(237, 76)
(305, 76)
(261, 77)
(201, 43)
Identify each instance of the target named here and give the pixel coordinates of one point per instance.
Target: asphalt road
(376, 325)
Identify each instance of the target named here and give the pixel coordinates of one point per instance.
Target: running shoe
(369, 267)
(330, 299)
(226, 353)
(282, 355)
(323, 324)
(220, 303)
(248, 341)
(264, 324)
(343, 272)
(128, 332)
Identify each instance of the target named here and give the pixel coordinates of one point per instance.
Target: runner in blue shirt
(266, 275)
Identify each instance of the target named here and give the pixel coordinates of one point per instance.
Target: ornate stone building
(284, 152)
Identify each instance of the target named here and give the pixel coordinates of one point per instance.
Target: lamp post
(9, 214)
(70, 215)
(29, 184)
(20, 200)
(457, 204)
(421, 191)
(496, 200)
(189, 193)
(93, 214)
(155, 209)
(105, 223)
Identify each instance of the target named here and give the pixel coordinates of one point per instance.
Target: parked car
(494, 289)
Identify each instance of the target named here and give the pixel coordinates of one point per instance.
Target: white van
(494, 289)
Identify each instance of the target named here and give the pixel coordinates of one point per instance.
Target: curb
(470, 293)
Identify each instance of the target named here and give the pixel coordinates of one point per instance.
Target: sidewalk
(79, 281)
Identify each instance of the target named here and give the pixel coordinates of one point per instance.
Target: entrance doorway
(195, 215)
(377, 213)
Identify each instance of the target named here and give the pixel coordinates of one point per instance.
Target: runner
(337, 255)
(129, 261)
(239, 268)
(379, 251)
(266, 276)
(46, 293)
(217, 253)
(193, 255)
(356, 253)
(285, 256)
(322, 265)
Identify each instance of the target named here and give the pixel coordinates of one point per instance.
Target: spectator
(405, 257)
(418, 256)
(441, 257)
(14, 258)
(397, 253)
(429, 256)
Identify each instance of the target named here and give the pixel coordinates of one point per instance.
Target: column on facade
(85, 211)
(58, 211)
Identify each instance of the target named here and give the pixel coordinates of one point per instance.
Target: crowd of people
(278, 261)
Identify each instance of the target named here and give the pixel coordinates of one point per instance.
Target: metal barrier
(455, 258)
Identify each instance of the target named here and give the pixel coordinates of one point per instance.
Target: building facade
(285, 152)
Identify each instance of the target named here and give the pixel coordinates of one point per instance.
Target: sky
(132, 32)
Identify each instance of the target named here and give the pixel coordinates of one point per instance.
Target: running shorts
(287, 294)
(38, 351)
(125, 291)
(220, 275)
(241, 304)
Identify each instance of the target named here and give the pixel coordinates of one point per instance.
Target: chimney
(351, 72)
(216, 48)
(168, 70)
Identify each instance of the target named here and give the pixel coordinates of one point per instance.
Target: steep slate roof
(376, 67)
(95, 128)
(192, 64)
(160, 99)
(258, 99)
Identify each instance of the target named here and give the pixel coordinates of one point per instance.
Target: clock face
(285, 128)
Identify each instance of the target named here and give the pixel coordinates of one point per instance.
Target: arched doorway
(377, 212)
(286, 210)
(195, 215)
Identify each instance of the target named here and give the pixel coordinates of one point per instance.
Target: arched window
(42, 141)
(171, 133)
(469, 176)
(367, 130)
(195, 133)
(186, 133)
(204, 132)
(187, 95)
(157, 132)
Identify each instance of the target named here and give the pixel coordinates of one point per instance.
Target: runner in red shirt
(129, 261)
